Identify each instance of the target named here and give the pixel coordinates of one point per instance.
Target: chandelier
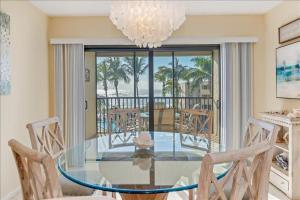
(147, 23)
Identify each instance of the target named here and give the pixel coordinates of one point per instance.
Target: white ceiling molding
(171, 41)
(193, 7)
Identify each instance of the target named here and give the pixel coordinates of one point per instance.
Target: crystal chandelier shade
(147, 23)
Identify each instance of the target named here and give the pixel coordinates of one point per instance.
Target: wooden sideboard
(288, 181)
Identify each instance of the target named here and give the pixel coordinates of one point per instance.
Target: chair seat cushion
(70, 188)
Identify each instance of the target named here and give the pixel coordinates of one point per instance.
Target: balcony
(169, 107)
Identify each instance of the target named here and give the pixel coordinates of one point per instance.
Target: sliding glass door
(122, 82)
(159, 82)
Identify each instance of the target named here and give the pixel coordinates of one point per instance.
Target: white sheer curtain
(236, 89)
(69, 96)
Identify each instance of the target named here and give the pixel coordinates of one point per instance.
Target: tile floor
(274, 194)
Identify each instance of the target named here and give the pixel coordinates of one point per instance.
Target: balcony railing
(178, 103)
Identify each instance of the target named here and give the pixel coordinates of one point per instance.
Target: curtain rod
(170, 41)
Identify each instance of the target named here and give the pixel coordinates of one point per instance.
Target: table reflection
(170, 165)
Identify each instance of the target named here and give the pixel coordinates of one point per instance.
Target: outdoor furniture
(123, 124)
(164, 119)
(124, 120)
(139, 173)
(197, 123)
(145, 120)
(47, 136)
(38, 175)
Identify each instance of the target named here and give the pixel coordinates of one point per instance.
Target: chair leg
(191, 194)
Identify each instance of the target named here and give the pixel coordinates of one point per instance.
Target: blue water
(288, 73)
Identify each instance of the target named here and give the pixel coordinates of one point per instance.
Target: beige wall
(277, 17)
(30, 84)
(28, 100)
(236, 25)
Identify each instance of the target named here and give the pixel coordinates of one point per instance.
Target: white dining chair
(248, 177)
(244, 180)
(38, 175)
(258, 131)
(47, 136)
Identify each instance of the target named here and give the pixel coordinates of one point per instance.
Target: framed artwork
(289, 31)
(288, 71)
(5, 85)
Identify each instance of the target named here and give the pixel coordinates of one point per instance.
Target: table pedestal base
(160, 196)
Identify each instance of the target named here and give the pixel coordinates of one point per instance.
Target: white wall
(28, 100)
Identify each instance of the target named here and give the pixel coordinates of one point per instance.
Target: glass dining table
(113, 163)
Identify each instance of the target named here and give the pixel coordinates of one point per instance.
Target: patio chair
(123, 125)
(164, 119)
(196, 128)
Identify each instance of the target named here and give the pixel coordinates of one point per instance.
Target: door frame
(164, 48)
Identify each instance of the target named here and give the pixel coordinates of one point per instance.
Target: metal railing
(178, 103)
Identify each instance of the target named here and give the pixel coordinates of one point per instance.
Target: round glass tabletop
(113, 163)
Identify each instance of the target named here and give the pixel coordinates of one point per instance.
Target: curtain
(236, 92)
(69, 97)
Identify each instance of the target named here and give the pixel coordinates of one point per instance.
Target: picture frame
(5, 65)
(288, 71)
(289, 31)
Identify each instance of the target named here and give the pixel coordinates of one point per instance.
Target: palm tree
(169, 87)
(103, 75)
(179, 71)
(140, 68)
(163, 75)
(116, 73)
(187, 76)
(201, 71)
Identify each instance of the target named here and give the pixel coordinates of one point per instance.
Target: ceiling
(102, 8)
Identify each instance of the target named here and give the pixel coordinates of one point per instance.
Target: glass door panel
(179, 79)
(142, 86)
(163, 91)
(193, 77)
(115, 84)
(122, 82)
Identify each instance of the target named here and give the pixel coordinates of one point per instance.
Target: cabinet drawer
(279, 182)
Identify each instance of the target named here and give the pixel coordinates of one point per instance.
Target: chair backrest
(46, 136)
(196, 121)
(37, 172)
(164, 116)
(258, 131)
(250, 169)
(243, 179)
(124, 120)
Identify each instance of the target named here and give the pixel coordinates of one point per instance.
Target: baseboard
(14, 195)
